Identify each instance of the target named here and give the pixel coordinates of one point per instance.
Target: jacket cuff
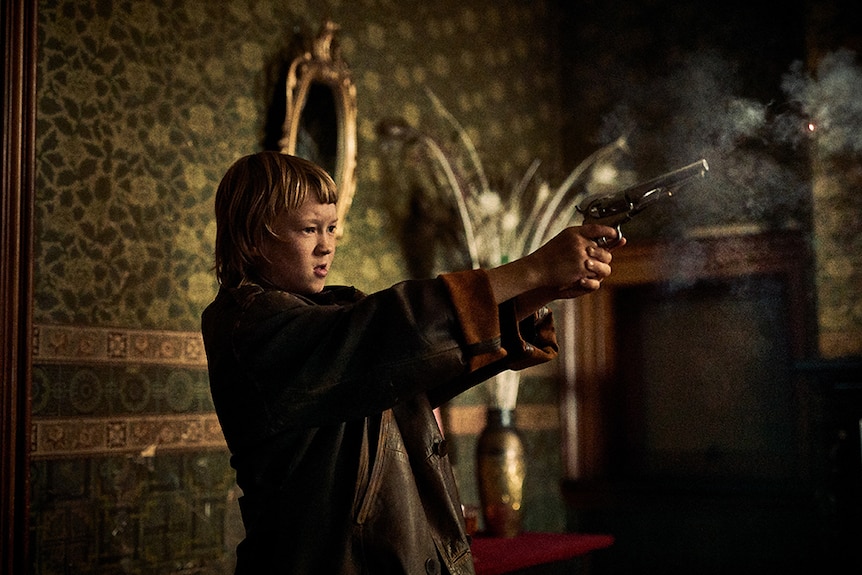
(477, 315)
(529, 342)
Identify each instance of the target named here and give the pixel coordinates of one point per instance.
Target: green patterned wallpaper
(143, 106)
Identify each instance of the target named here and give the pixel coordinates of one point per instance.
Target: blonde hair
(252, 193)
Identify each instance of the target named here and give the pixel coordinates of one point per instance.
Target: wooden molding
(16, 277)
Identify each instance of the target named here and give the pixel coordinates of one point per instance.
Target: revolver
(619, 207)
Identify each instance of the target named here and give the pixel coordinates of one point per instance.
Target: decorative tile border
(73, 344)
(141, 436)
(145, 435)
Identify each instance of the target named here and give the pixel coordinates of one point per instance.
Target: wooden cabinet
(688, 429)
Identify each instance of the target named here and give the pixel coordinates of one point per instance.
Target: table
(497, 555)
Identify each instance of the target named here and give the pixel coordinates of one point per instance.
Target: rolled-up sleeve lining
(477, 315)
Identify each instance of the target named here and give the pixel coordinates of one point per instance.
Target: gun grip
(608, 243)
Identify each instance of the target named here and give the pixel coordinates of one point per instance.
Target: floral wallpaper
(143, 106)
(838, 250)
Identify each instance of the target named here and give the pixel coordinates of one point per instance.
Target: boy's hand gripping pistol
(619, 207)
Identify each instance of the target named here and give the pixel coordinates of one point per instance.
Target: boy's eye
(331, 229)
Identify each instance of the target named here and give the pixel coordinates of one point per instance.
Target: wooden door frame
(16, 278)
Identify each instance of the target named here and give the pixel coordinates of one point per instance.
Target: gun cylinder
(619, 207)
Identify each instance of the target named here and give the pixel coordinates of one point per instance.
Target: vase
(501, 469)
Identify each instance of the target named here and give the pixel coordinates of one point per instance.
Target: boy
(325, 395)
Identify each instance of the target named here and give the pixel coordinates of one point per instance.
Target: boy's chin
(313, 287)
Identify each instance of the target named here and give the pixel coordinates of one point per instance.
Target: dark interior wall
(764, 92)
(688, 80)
(617, 52)
(737, 83)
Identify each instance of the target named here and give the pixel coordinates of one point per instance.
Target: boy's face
(300, 258)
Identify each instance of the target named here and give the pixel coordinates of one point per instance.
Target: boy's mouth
(321, 271)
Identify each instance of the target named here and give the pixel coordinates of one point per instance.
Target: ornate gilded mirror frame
(320, 120)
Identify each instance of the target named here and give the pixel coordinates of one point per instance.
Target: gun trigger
(604, 242)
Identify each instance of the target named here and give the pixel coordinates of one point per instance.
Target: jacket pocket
(390, 451)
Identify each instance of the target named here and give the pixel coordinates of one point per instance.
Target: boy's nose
(326, 244)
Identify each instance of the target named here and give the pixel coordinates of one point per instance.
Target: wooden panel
(593, 410)
(691, 431)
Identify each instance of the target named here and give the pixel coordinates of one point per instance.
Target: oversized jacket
(326, 404)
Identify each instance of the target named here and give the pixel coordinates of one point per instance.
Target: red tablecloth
(495, 556)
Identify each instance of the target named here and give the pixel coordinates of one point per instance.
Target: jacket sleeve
(278, 360)
(306, 364)
(523, 344)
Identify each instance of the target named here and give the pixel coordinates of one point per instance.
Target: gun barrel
(619, 207)
(666, 182)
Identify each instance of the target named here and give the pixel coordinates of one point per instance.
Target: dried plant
(499, 226)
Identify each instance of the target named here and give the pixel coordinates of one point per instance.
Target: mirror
(320, 119)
